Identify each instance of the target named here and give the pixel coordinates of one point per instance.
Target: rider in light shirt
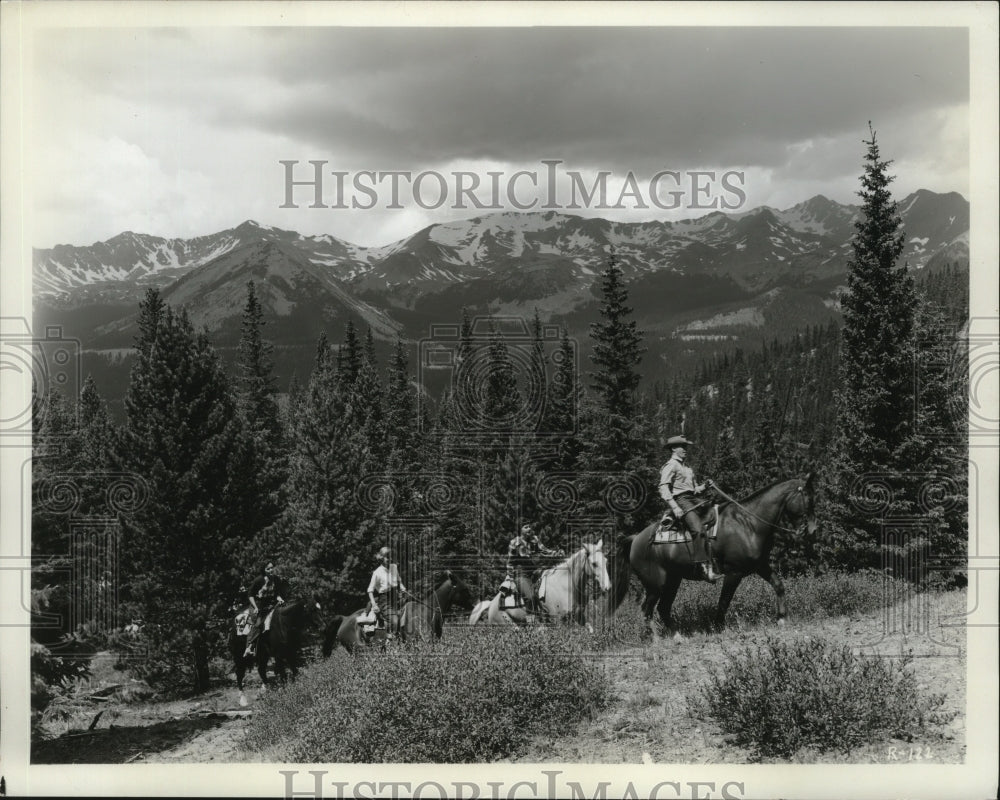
(385, 589)
(678, 488)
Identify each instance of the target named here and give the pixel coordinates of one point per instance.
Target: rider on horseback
(678, 488)
(521, 554)
(267, 591)
(385, 590)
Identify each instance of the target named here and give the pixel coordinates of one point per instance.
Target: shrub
(807, 597)
(478, 696)
(781, 697)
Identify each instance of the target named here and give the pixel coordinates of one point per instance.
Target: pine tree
(875, 401)
(367, 398)
(350, 354)
(182, 434)
(563, 404)
(617, 439)
(501, 399)
(325, 537)
(257, 403)
(401, 413)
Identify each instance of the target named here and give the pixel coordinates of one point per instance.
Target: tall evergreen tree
(325, 536)
(182, 434)
(401, 412)
(875, 401)
(350, 354)
(617, 438)
(256, 398)
(502, 398)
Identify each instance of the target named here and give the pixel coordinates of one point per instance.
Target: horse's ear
(809, 481)
(600, 545)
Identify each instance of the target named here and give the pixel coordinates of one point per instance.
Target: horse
(567, 587)
(416, 618)
(746, 531)
(283, 641)
(419, 619)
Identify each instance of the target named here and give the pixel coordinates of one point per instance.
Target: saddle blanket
(671, 532)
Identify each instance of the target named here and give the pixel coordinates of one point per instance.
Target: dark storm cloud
(613, 97)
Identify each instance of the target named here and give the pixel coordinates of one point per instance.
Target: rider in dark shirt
(267, 591)
(521, 563)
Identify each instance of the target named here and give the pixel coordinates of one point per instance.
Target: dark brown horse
(425, 618)
(746, 531)
(283, 641)
(418, 618)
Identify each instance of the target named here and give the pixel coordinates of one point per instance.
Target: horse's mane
(754, 495)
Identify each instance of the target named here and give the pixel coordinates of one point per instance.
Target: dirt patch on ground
(649, 721)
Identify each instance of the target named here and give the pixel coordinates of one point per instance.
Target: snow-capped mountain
(140, 259)
(757, 248)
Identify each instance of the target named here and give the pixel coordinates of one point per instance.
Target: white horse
(563, 591)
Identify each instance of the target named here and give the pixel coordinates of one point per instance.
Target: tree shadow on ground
(118, 745)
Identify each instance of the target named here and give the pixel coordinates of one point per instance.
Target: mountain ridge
(756, 245)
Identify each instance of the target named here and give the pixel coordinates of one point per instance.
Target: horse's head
(460, 594)
(597, 566)
(802, 504)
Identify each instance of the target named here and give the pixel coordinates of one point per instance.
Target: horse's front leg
(778, 585)
(648, 604)
(729, 586)
(262, 664)
(666, 603)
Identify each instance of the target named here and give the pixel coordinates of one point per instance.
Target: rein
(742, 507)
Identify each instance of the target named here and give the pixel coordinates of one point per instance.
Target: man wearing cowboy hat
(678, 488)
(385, 590)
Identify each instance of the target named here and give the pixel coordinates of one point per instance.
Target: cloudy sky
(180, 131)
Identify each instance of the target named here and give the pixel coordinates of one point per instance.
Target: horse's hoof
(243, 699)
(781, 620)
(678, 638)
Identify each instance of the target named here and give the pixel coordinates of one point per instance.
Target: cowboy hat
(678, 441)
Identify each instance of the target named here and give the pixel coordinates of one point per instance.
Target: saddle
(673, 531)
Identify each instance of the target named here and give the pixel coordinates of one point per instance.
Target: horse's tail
(621, 572)
(330, 634)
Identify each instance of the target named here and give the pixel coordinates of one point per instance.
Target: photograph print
(436, 396)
